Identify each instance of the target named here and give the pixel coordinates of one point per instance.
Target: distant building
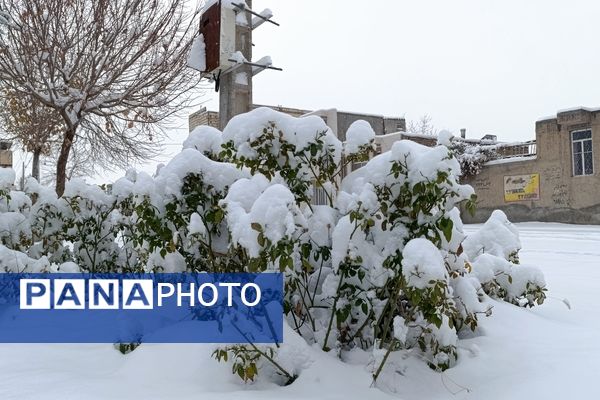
(203, 117)
(6, 155)
(554, 178)
(338, 121)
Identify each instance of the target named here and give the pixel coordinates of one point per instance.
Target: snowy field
(548, 352)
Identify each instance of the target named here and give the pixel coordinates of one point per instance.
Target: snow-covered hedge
(384, 267)
(472, 156)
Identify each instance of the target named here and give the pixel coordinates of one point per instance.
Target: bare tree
(83, 162)
(30, 123)
(423, 126)
(4, 21)
(113, 69)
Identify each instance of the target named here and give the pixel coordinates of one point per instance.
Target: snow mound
(498, 236)
(189, 161)
(254, 207)
(7, 178)
(244, 129)
(359, 134)
(205, 139)
(422, 264)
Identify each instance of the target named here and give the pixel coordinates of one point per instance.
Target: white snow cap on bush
(359, 134)
(205, 139)
(189, 161)
(321, 223)
(422, 263)
(13, 226)
(486, 266)
(245, 128)
(489, 268)
(196, 225)
(445, 138)
(423, 163)
(78, 187)
(521, 277)
(498, 236)
(17, 262)
(7, 177)
(171, 263)
(256, 201)
(466, 289)
(346, 244)
(445, 335)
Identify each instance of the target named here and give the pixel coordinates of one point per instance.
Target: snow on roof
(510, 160)
(392, 134)
(547, 118)
(320, 111)
(570, 109)
(419, 135)
(590, 109)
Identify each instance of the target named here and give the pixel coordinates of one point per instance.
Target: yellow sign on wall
(521, 187)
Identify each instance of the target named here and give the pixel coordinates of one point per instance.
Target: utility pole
(223, 53)
(236, 85)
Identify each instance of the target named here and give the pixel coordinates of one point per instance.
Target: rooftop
(568, 111)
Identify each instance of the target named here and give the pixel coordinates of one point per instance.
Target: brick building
(338, 121)
(557, 181)
(6, 156)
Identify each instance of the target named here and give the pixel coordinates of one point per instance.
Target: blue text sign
(152, 308)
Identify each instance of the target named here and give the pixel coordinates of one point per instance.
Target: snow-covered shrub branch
(473, 156)
(384, 267)
(301, 152)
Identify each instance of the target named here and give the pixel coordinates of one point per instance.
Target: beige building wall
(6, 155)
(563, 197)
(5, 159)
(203, 117)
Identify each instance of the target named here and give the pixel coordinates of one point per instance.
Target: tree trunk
(35, 167)
(63, 158)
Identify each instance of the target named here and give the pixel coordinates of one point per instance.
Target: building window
(319, 196)
(583, 159)
(357, 165)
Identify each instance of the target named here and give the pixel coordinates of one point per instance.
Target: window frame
(582, 154)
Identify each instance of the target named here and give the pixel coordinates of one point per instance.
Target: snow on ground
(548, 352)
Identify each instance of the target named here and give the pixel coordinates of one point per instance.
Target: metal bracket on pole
(259, 16)
(217, 77)
(256, 68)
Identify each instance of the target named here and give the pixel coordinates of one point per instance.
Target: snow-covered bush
(383, 267)
(494, 251)
(472, 156)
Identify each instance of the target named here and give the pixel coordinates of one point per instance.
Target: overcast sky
(491, 66)
(488, 66)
